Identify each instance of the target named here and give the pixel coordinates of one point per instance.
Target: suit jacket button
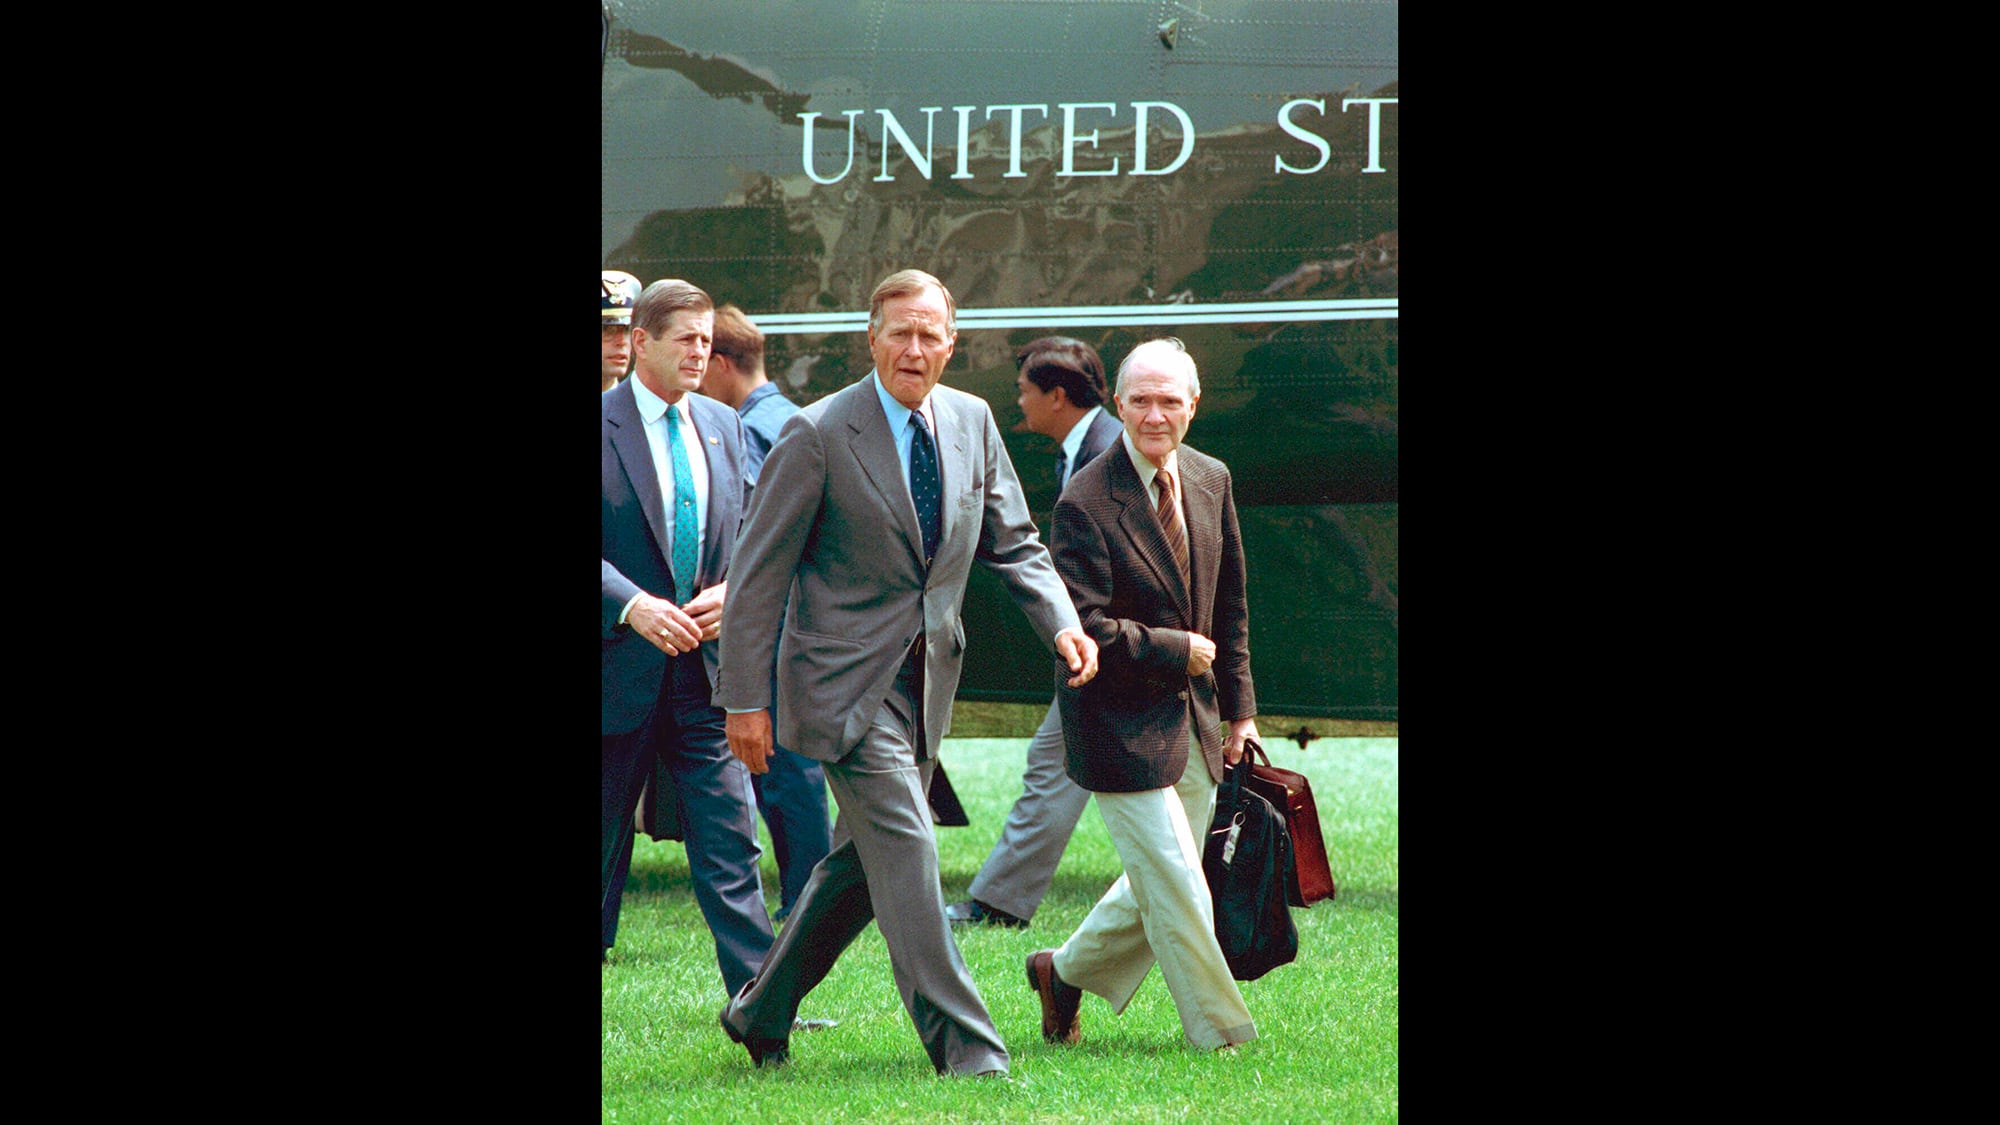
(1181, 695)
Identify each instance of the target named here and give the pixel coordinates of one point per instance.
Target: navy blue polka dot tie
(924, 486)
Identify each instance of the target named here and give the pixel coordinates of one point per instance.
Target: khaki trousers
(1160, 911)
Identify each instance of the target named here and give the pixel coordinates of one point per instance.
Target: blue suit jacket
(634, 527)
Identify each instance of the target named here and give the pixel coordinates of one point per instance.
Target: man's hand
(749, 738)
(1080, 653)
(1239, 729)
(1201, 654)
(706, 610)
(665, 624)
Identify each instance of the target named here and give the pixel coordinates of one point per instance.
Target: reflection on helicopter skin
(1305, 410)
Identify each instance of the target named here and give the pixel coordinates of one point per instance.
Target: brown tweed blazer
(1128, 729)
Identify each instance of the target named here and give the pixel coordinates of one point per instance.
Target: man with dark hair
(1062, 393)
(851, 572)
(1053, 362)
(792, 793)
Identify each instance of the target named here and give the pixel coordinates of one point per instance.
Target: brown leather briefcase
(1291, 794)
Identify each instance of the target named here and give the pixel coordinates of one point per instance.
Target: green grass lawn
(1327, 1023)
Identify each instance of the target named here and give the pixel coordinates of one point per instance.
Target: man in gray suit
(1061, 381)
(674, 484)
(851, 570)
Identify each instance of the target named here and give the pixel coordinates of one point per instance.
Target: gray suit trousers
(1022, 864)
(883, 868)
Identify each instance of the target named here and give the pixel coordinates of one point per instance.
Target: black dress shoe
(973, 912)
(763, 1052)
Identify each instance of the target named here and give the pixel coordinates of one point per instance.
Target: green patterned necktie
(687, 539)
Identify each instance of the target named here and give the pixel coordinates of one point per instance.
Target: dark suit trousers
(883, 868)
(713, 790)
(792, 797)
(608, 914)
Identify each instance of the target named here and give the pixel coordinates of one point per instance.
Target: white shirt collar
(1072, 442)
(1144, 466)
(898, 414)
(652, 407)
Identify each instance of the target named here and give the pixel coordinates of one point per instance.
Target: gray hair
(1171, 345)
(909, 283)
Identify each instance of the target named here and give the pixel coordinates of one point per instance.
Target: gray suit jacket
(832, 526)
(1128, 729)
(634, 526)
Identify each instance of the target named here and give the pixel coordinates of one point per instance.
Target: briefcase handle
(1232, 776)
(1232, 783)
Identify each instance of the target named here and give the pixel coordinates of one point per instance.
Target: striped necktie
(1170, 522)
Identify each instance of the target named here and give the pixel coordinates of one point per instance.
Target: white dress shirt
(653, 411)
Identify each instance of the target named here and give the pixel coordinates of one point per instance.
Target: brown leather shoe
(1062, 1022)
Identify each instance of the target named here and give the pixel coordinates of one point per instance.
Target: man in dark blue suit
(1062, 396)
(675, 484)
